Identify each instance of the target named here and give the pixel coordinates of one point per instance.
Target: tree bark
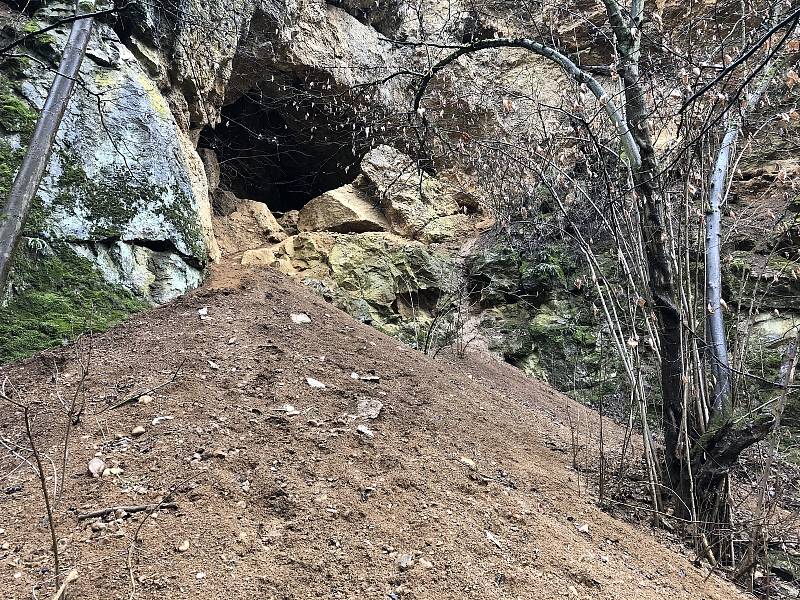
(717, 344)
(18, 205)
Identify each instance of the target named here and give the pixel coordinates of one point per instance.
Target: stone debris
(404, 562)
(367, 408)
(96, 466)
(314, 383)
(138, 430)
(492, 538)
(365, 431)
(468, 462)
(300, 318)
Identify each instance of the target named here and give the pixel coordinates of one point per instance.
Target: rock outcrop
(345, 210)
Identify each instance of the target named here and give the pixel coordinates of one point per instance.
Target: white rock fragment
(314, 383)
(368, 408)
(145, 399)
(184, 546)
(200, 575)
(161, 419)
(138, 430)
(365, 431)
(96, 466)
(213, 365)
(405, 562)
(300, 318)
(468, 462)
(290, 410)
(491, 537)
(203, 311)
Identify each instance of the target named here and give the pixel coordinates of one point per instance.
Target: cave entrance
(282, 151)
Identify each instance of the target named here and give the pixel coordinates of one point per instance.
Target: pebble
(300, 318)
(96, 466)
(425, 563)
(200, 575)
(468, 462)
(365, 431)
(404, 562)
(146, 399)
(314, 383)
(138, 430)
(184, 546)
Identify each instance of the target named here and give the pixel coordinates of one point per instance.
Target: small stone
(582, 528)
(96, 466)
(404, 562)
(200, 575)
(365, 431)
(146, 399)
(314, 383)
(213, 365)
(203, 311)
(300, 318)
(468, 462)
(184, 546)
(98, 526)
(425, 563)
(138, 430)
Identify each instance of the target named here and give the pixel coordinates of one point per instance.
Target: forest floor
(402, 478)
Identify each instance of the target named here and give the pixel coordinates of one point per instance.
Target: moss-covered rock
(57, 295)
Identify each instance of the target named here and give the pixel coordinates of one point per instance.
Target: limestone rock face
(369, 274)
(410, 200)
(125, 187)
(344, 210)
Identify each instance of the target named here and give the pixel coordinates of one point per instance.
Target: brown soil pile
(461, 487)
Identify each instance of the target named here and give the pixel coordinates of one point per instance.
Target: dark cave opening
(282, 151)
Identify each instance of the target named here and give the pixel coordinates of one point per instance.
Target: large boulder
(410, 199)
(124, 187)
(247, 225)
(344, 210)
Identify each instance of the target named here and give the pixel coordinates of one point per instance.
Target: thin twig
(152, 390)
(102, 512)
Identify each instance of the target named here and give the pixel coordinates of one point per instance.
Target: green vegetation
(57, 295)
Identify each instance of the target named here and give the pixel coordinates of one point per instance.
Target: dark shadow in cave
(282, 153)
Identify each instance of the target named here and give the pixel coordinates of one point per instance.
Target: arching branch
(613, 112)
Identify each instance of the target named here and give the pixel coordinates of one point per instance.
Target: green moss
(111, 201)
(16, 115)
(56, 295)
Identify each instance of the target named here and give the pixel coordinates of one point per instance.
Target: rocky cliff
(250, 130)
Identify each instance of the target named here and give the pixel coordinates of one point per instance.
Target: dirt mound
(403, 477)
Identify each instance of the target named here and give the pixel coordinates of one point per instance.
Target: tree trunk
(717, 344)
(15, 212)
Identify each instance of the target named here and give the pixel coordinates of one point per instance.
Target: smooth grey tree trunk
(715, 322)
(18, 205)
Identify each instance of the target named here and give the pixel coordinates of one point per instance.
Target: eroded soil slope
(460, 488)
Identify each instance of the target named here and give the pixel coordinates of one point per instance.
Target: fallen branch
(102, 512)
(152, 390)
(71, 576)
